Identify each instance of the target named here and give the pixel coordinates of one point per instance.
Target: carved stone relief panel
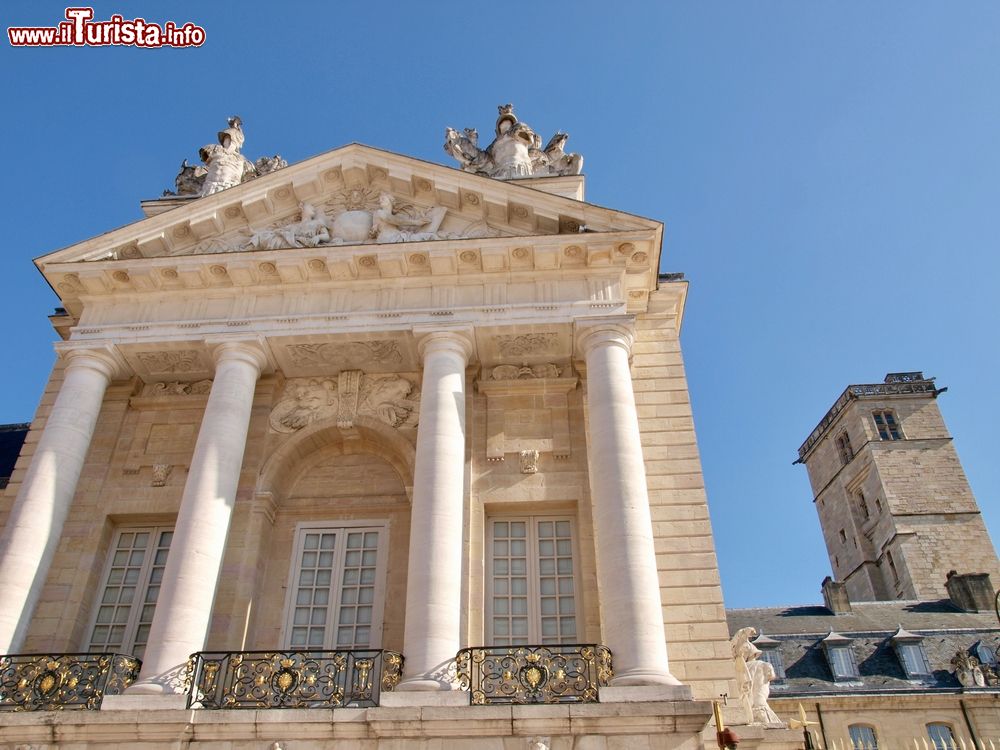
(392, 399)
(527, 411)
(351, 354)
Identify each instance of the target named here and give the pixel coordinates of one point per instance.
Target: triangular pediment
(353, 195)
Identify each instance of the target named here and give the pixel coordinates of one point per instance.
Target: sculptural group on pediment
(224, 165)
(516, 152)
(388, 222)
(391, 399)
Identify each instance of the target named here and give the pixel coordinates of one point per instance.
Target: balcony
(292, 679)
(54, 682)
(565, 673)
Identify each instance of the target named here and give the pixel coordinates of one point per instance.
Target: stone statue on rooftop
(516, 151)
(224, 165)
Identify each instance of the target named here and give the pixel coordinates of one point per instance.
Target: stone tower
(895, 506)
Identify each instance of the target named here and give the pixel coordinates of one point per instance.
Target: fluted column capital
(618, 330)
(459, 340)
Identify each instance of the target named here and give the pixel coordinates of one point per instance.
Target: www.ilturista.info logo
(79, 30)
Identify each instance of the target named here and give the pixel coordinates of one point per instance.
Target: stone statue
(753, 679)
(226, 165)
(968, 670)
(390, 226)
(516, 151)
(190, 179)
(312, 230)
(761, 675)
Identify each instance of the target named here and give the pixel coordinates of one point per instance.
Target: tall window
(336, 592)
(892, 566)
(863, 737)
(531, 592)
(132, 580)
(863, 506)
(844, 448)
(941, 735)
(885, 423)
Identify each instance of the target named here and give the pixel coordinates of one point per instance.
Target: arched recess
(277, 508)
(367, 434)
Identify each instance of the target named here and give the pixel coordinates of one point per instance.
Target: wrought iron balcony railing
(292, 679)
(54, 682)
(565, 673)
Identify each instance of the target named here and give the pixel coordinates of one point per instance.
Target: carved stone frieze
(390, 398)
(518, 345)
(351, 354)
(513, 372)
(177, 388)
(170, 362)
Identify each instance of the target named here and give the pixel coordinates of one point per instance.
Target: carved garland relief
(389, 398)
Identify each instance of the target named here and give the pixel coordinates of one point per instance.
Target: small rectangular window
(941, 735)
(863, 737)
(912, 657)
(842, 662)
(843, 442)
(773, 657)
(132, 581)
(863, 506)
(886, 425)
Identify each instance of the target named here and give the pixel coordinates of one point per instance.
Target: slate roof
(799, 631)
(11, 439)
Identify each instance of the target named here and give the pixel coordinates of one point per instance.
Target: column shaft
(36, 519)
(184, 606)
(432, 634)
(626, 558)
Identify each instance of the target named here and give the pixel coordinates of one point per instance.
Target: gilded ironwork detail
(54, 682)
(567, 673)
(292, 679)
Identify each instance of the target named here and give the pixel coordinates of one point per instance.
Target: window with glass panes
(841, 662)
(773, 657)
(531, 591)
(844, 448)
(912, 657)
(863, 737)
(336, 592)
(942, 736)
(132, 581)
(885, 423)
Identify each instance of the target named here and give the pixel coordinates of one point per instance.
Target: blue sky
(828, 173)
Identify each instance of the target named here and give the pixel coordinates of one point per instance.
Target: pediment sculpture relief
(389, 398)
(387, 223)
(516, 152)
(224, 165)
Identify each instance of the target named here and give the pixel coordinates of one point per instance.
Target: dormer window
(886, 425)
(986, 655)
(844, 448)
(840, 657)
(911, 654)
(769, 652)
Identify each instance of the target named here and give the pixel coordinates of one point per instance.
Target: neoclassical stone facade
(373, 406)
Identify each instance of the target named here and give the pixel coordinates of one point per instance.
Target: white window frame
(141, 587)
(534, 596)
(341, 528)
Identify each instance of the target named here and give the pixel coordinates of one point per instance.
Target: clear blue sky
(828, 173)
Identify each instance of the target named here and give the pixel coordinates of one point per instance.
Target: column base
(424, 698)
(423, 683)
(645, 693)
(141, 702)
(643, 677)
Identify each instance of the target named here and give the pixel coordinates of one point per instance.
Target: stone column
(36, 519)
(626, 560)
(184, 607)
(432, 635)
